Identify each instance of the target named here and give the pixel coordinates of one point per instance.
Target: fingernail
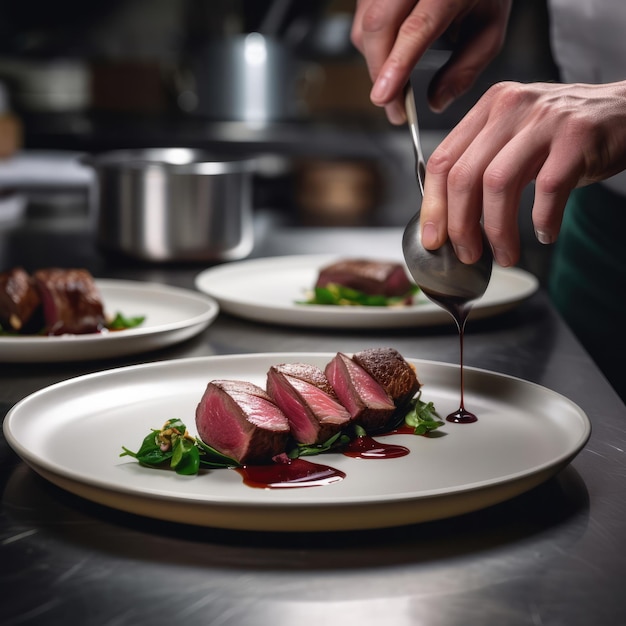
(543, 237)
(429, 236)
(463, 254)
(502, 257)
(380, 90)
(395, 114)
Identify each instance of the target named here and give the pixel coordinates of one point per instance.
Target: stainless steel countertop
(553, 556)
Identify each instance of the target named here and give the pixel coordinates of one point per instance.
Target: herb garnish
(174, 448)
(121, 322)
(422, 416)
(337, 441)
(335, 294)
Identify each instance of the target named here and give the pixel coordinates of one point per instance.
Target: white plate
(72, 433)
(172, 315)
(266, 290)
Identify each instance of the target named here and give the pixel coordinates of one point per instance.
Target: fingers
(560, 173)
(481, 168)
(421, 25)
(479, 43)
(436, 202)
(374, 30)
(394, 34)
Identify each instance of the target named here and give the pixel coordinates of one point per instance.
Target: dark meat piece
(19, 302)
(71, 301)
(393, 373)
(366, 401)
(372, 277)
(240, 420)
(308, 400)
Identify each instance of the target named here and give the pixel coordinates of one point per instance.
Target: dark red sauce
(294, 473)
(402, 429)
(367, 448)
(303, 473)
(459, 308)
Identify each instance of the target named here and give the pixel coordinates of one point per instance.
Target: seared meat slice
(385, 278)
(393, 373)
(71, 301)
(240, 420)
(366, 401)
(306, 397)
(19, 302)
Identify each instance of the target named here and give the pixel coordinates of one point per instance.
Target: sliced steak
(20, 304)
(71, 301)
(367, 402)
(308, 400)
(386, 278)
(240, 420)
(389, 368)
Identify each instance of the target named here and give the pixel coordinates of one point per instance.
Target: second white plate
(172, 315)
(267, 290)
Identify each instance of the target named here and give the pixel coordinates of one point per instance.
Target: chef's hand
(560, 136)
(393, 35)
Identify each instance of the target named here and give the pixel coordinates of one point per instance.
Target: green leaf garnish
(338, 295)
(210, 457)
(336, 441)
(171, 447)
(121, 322)
(422, 416)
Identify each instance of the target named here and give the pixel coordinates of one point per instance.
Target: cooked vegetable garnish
(335, 294)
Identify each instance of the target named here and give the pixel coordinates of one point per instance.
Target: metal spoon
(444, 279)
(439, 273)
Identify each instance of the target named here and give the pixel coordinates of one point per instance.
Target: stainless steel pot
(173, 204)
(250, 78)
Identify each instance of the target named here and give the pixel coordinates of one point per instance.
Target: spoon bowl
(439, 273)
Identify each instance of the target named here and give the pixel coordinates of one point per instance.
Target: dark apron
(588, 277)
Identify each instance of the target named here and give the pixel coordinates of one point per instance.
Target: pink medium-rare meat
(20, 304)
(71, 301)
(309, 373)
(367, 402)
(240, 420)
(386, 278)
(389, 368)
(307, 399)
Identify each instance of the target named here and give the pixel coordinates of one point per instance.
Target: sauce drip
(367, 448)
(459, 309)
(294, 473)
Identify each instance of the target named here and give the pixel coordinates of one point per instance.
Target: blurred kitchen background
(276, 80)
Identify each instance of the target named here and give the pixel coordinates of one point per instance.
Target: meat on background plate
(372, 277)
(20, 303)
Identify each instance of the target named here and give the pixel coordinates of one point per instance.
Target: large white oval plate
(72, 433)
(172, 315)
(267, 290)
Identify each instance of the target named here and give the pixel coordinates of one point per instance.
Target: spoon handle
(411, 115)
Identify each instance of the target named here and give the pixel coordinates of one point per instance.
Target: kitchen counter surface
(552, 556)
